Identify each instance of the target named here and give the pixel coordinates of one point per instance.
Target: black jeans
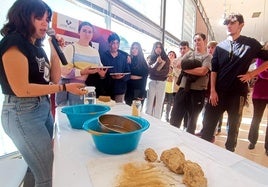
(169, 99)
(190, 103)
(233, 104)
(258, 110)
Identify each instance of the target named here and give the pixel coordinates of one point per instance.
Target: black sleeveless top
(38, 64)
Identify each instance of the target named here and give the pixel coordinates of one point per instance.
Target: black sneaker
(231, 149)
(199, 134)
(252, 146)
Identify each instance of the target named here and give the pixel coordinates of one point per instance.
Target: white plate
(103, 67)
(120, 73)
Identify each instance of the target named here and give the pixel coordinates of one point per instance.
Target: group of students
(28, 77)
(114, 73)
(225, 76)
(171, 83)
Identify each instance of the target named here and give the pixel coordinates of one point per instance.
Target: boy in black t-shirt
(232, 57)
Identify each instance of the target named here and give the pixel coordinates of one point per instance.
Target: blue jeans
(66, 98)
(29, 123)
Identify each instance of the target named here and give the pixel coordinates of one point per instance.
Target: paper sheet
(106, 172)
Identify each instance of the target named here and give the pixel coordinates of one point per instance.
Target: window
(149, 8)
(131, 35)
(189, 22)
(77, 11)
(174, 16)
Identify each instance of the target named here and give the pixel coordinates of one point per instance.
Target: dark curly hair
(112, 37)
(19, 18)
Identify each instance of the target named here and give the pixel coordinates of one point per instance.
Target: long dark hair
(141, 62)
(140, 55)
(153, 55)
(19, 18)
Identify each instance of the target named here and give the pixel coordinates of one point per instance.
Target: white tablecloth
(12, 171)
(75, 156)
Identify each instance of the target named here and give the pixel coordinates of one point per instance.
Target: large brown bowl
(116, 123)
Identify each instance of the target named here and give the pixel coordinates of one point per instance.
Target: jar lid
(90, 88)
(136, 101)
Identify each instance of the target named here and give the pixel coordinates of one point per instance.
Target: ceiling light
(256, 14)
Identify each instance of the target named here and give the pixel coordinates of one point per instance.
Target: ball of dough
(150, 155)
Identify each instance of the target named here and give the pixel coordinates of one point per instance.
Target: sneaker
(213, 139)
(231, 149)
(252, 146)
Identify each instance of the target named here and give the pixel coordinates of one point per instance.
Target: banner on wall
(67, 27)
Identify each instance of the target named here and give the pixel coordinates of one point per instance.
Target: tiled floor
(258, 154)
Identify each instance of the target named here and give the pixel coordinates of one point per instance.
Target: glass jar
(90, 96)
(136, 107)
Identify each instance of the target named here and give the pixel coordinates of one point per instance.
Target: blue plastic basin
(116, 143)
(78, 114)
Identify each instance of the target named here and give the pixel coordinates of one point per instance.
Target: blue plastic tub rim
(66, 109)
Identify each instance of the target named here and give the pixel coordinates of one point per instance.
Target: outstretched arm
(249, 75)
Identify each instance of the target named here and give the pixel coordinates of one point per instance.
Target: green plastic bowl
(78, 114)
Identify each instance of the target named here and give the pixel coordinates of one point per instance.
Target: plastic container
(116, 143)
(78, 114)
(90, 96)
(136, 108)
